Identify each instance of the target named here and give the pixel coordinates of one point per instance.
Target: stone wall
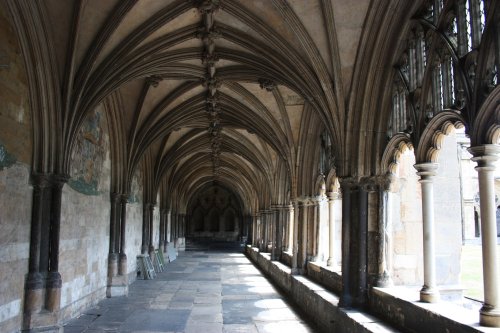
(407, 260)
(85, 216)
(134, 238)
(448, 213)
(15, 217)
(407, 256)
(15, 191)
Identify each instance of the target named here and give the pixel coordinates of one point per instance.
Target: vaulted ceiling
(235, 91)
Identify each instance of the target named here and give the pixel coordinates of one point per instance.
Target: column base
(429, 295)
(117, 286)
(295, 271)
(34, 298)
(122, 265)
(152, 253)
(41, 321)
(53, 292)
(330, 262)
(112, 264)
(489, 316)
(384, 281)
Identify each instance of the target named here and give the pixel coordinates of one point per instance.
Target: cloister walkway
(202, 292)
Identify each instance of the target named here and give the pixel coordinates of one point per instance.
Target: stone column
(151, 230)
(314, 224)
(161, 242)
(279, 217)
(429, 292)
(122, 266)
(291, 219)
(346, 295)
(33, 299)
(168, 230)
(384, 276)
(263, 221)
(332, 196)
(295, 241)
(254, 231)
(485, 156)
(54, 281)
(274, 215)
(145, 227)
(362, 240)
(303, 239)
(113, 253)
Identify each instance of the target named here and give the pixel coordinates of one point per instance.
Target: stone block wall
(15, 217)
(448, 213)
(134, 238)
(407, 256)
(84, 250)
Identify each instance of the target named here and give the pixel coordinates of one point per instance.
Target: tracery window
(442, 44)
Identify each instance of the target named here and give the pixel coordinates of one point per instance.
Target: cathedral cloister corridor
(351, 147)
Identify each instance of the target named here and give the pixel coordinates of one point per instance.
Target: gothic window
(400, 120)
(420, 56)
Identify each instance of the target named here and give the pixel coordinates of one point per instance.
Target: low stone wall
(315, 301)
(423, 317)
(286, 258)
(327, 278)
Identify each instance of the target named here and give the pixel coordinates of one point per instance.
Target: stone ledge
(318, 303)
(325, 276)
(401, 307)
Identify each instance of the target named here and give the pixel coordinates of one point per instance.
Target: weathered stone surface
(15, 216)
(15, 113)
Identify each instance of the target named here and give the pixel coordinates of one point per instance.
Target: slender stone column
(254, 230)
(145, 226)
(263, 220)
(295, 242)
(427, 171)
(303, 239)
(33, 301)
(362, 240)
(122, 266)
(151, 230)
(346, 297)
(332, 196)
(485, 156)
(291, 220)
(314, 225)
(169, 227)
(54, 280)
(113, 253)
(384, 278)
(273, 214)
(161, 242)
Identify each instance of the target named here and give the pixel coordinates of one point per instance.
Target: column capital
(114, 197)
(348, 182)
(388, 182)
(124, 198)
(370, 183)
(333, 195)
(485, 155)
(426, 171)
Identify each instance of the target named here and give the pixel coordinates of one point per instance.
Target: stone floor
(201, 291)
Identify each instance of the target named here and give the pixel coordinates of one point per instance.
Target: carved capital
(154, 80)
(267, 84)
(209, 59)
(207, 6)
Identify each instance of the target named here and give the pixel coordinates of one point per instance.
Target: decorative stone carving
(267, 84)
(154, 80)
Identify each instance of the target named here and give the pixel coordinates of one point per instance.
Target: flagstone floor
(200, 292)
